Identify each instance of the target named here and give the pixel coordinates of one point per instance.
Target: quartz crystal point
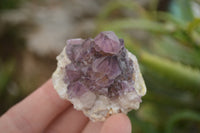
(99, 76)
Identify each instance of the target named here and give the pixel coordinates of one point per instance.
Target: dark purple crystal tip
(100, 65)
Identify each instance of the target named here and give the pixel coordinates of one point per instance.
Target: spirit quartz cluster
(99, 76)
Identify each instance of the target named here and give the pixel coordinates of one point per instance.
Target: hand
(44, 111)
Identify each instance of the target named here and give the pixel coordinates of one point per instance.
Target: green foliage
(182, 9)
(183, 76)
(9, 4)
(143, 24)
(169, 55)
(183, 115)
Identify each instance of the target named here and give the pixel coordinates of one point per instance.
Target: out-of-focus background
(163, 34)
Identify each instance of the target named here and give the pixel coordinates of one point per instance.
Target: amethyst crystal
(99, 76)
(100, 65)
(108, 42)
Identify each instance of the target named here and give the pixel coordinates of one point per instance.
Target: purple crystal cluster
(100, 65)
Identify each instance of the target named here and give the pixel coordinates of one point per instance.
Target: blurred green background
(163, 34)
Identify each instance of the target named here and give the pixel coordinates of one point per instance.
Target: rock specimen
(99, 76)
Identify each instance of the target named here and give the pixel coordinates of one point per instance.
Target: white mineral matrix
(99, 76)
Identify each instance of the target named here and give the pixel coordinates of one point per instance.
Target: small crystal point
(107, 42)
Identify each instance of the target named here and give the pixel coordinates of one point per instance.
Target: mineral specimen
(99, 76)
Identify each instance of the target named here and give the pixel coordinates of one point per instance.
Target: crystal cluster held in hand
(99, 76)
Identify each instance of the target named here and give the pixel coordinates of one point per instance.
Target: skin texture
(44, 112)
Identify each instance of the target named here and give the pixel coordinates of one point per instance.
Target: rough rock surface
(99, 76)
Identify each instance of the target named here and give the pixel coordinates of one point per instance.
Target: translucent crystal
(108, 42)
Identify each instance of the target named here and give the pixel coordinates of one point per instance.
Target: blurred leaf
(184, 38)
(183, 115)
(119, 4)
(193, 30)
(169, 18)
(143, 24)
(193, 25)
(170, 48)
(183, 76)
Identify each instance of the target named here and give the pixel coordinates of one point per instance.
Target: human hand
(45, 111)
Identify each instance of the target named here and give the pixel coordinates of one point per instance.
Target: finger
(36, 111)
(118, 123)
(70, 121)
(93, 127)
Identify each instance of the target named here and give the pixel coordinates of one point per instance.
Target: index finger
(35, 112)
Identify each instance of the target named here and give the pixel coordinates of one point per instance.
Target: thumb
(118, 123)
